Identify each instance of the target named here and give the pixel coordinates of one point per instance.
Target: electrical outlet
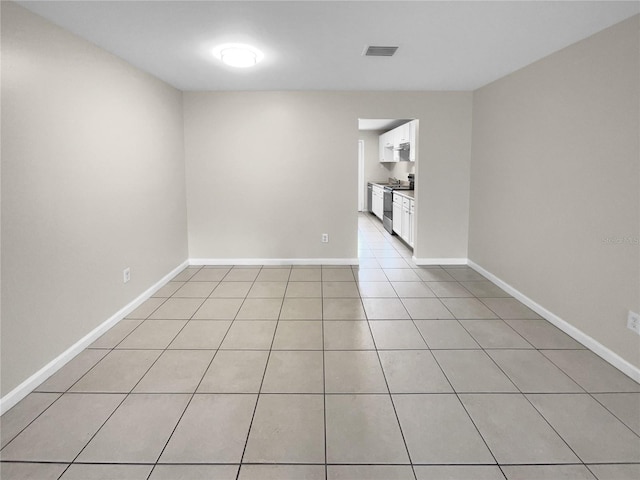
(126, 275)
(633, 322)
(325, 238)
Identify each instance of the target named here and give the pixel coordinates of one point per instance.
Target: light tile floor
(386, 371)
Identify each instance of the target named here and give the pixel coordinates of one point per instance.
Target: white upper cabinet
(390, 141)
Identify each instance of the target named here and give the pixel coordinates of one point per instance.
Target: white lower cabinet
(377, 201)
(397, 214)
(403, 218)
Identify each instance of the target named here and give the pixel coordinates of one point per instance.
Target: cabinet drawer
(411, 205)
(397, 199)
(405, 202)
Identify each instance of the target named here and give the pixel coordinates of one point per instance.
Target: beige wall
(269, 172)
(92, 182)
(554, 174)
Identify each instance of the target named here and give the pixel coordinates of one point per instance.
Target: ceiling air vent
(376, 51)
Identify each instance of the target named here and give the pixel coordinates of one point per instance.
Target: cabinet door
(405, 223)
(411, 224)
(412, 140)
(385, 147)
(397, 217)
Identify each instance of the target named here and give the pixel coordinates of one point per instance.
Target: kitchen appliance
(401, 152)
(369, 197)
(412, 178)
(387, 217)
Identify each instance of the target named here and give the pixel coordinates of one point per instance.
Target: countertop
(405, 193)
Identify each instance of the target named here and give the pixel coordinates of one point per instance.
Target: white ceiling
(310, 45)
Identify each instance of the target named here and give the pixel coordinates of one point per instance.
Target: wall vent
(378, 51)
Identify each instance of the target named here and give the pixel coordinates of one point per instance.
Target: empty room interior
(331, 240)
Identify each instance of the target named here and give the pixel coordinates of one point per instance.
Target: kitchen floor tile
(176, 371)
(60, 433)
(23, 413)
(484, 289)
(177, 309)
(371, 275)
(153, 334)
(24, 471)
(229, 289)
(445, 334)
(267, 289)
(337, 275)
(532, 372)
(294, 372)
(384, 308)
(218, 309)
(353, 372)
(369, 472)
(116, 334)
(260, 309)
(194, 472)
(305, 274)
(413, 371)
(274, 275)
(616, 472)
(438, 430)
(250, 335)
(209, 275)
(342, 309)
(213, 429)
(395, 263)
(376, 290)
(363, 429)
(118, 372)
(459, 472)
(281, 472)
(590, 430)
(386, 253)
(287, 429)
(544, 335)
(346, 289)
(591, 372)
(146, 308)
(401, 275)
(494, 334)
(301, 309)
(463, 273)
(347, 335)
(448, 289)
(298, 335)
(434, 275)
(412, 290)
(304, 289)
(366, 260)
(396, 335)
(248, 274)
(467, 308)
(201, 334)
(556, 472)
(235, 371)
(426, 308)
(473, 371)
(514, 431)
(80, 471)
(64, 378)
(137, 431)
(195, 290)
(625, 406)
(509, 308)
(168, 289)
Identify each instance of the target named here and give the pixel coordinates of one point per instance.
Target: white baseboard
(26, 387)
(596, 347)
(440, 261)
(273, 261)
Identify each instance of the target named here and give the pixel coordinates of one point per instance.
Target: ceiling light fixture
(238, 55)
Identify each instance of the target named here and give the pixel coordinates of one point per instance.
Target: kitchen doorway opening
(387, 158)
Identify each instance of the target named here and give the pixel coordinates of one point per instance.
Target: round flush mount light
(238, 55)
